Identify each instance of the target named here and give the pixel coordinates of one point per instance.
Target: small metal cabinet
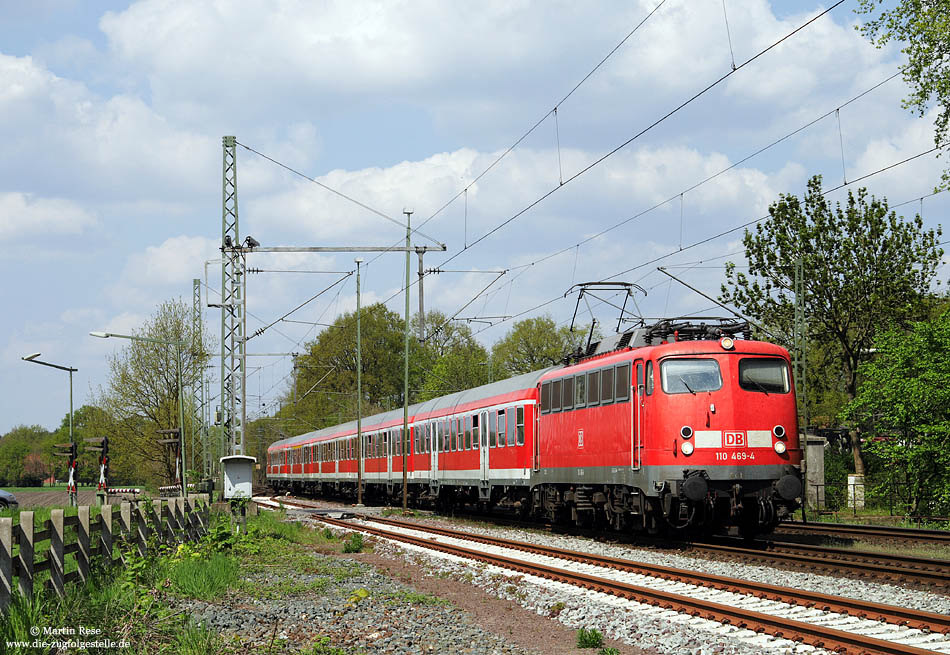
(237, 476)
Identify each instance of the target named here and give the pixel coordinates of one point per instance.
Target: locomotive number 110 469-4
(737, 456)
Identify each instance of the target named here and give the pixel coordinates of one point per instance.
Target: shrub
(354, 543)
(589, 638)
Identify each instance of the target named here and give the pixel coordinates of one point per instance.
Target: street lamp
(71, 484)
(181, 411)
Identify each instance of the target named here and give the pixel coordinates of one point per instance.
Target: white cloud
(23, 215)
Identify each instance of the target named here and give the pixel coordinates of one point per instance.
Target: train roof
(504, 387)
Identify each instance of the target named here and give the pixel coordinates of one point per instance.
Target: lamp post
(181, 411)
(71, 484)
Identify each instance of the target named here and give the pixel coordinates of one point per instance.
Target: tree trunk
(855, 434)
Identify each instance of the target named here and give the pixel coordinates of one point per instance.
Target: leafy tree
(535, 343)
(903, 407)
(18, 444)
(925, 28)
(324, 382)
(142, 394)
(864, 269)
(35, 470)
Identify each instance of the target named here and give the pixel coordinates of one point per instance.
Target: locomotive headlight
(727, 343)
(779, 431)
(686, 432)
(687, 447)
(779, 447)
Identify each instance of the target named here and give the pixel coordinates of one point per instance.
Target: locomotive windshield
(764, 374)
(690, 375)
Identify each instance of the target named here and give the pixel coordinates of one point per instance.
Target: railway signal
(102, 448)
(71, 453)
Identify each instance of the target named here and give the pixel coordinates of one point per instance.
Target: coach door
(434, 451)
(636, 422)
(483, 447)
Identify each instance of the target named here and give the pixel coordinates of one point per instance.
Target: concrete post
(83, 556)
(815, 471)
(56, 555)
(6, 562)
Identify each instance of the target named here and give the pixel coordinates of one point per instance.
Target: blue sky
(113, 113)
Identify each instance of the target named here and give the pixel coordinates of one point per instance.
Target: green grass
(132, 602)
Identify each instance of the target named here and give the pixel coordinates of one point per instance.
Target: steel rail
(940, 536)
(891, 567)
(815, 635)
(862, 609)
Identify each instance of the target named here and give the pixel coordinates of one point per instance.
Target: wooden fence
(173, 521)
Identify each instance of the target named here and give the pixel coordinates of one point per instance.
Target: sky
(111, 167)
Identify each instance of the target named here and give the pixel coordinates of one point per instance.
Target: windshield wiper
(687, 386)
(760, 386)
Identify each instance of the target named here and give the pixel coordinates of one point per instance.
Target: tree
(864, 269)
(20, 443)
(925, 28)
(142, 393)
(903, 407)
(323, 389)
(535, 343)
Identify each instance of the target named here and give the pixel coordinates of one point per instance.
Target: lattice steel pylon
(198, 428)
(800, 341)
(232, 307)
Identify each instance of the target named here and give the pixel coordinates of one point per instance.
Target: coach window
(501, 428)
(649, 384)
(468, 432)
(690, 375)
(567, 394)
(521, 426)
(492, 429)
(453, 444)
(580, 391)
(511, 425)
(545, 397)
(475, 432)
(593, 388)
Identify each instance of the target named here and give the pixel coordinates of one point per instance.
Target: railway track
(930, 573)
(849, 530)
(829, 622)
(922, 572)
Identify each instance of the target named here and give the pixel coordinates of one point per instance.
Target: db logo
(734, 439)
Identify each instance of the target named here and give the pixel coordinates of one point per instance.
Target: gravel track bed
(862, 590)
(391, 618)
(643, 626)
(775, 608)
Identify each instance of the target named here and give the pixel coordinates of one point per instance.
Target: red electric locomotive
(672, 427)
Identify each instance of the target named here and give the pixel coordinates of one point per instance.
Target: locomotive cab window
(545, 397)
(649, 385)
(765, 375)
(555, 395)
(690, 375)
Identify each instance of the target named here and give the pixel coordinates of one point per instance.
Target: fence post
(56, 556)
(105, 534)
(191, 507)
(125, 526)
(26, 554)
(142, 527)
(82, 537)
(157, 514)
(6, 562)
